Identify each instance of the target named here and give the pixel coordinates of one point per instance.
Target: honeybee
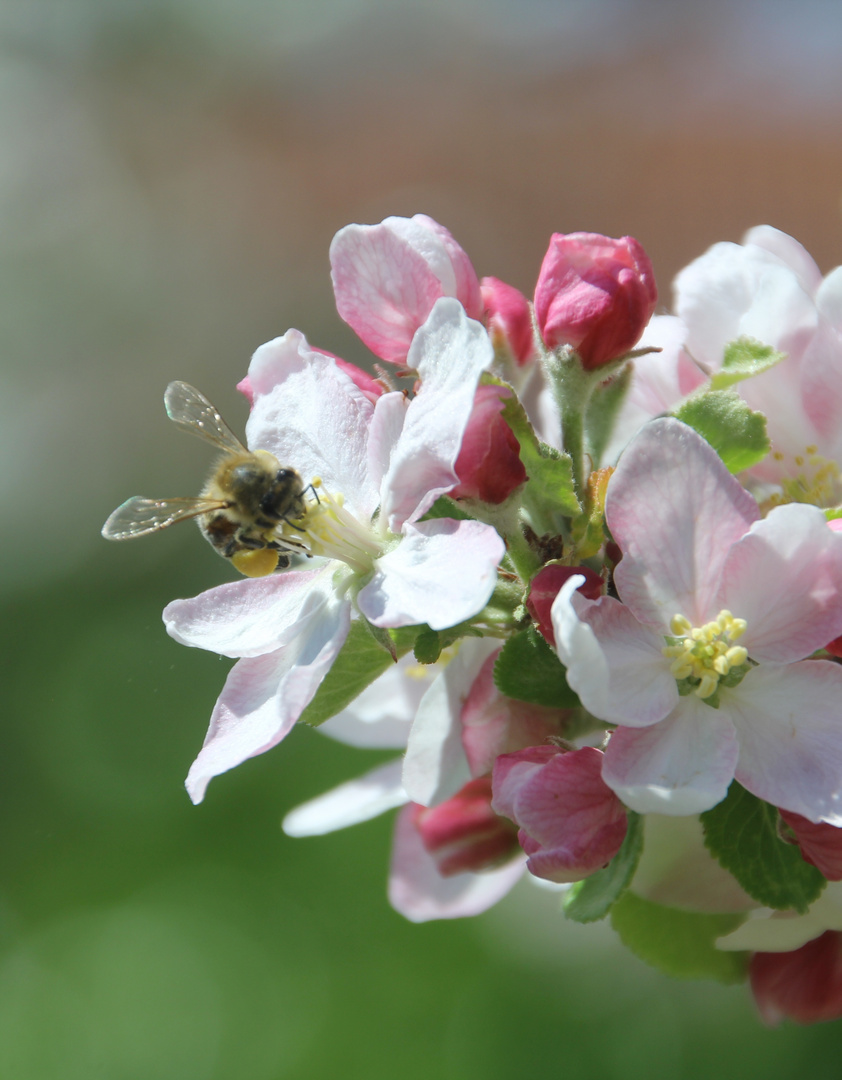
(246, 497)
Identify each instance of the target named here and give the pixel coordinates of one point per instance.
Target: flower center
(703, 655)
(811, 479)
(328, 530)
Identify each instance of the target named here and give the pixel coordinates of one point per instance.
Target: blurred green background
(171, 174)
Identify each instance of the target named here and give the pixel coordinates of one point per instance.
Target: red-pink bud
(361, 379)
(595, 294)
(804, 985)
(571, 822)
(464, 834)
(508, 319)
(489, 466)
(821, 844)
(545, 587)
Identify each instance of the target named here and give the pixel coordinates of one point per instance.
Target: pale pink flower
(380, 467)
(387, 277)
(701, 661)
(595, 294)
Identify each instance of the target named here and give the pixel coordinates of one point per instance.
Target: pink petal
(804, 985)
(675, 510)
(784, 577)
(265, 695)
(419, 893)
(252, 616)
(821, 844)
(681, 766)
(788, 723)
(573, 823)
(441, 573)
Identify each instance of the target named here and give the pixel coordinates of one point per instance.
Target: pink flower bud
(508, 319)
(821, 844)
(571, 822)
(804, 984)
(545, 587)
(489, 466)
(464, 834)
(494, 724)
(387, 277)
(595, 294)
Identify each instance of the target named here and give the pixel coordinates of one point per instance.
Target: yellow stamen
(706, 653)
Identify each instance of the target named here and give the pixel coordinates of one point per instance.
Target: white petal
(681, 766)
(614, 663)
(265, 695)
(675, 511)
(441, 573)
(784, 577)
(316, 421)
(790, 729)
(789, 251)
(358, 800)
(383, 713)
(450, 351)
(419, 893)
(782, 931)
(384, 433)
(252, 616)
(435, 765)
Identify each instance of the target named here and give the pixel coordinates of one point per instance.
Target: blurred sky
(171, 175)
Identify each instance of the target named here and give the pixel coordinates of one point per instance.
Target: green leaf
(744, 358)
(361, 659)
(550, 471)
(592, 898)
(679, 943)
(736, 433)
(529, 670)
(428, 646)
(742, 833)
(833, 512)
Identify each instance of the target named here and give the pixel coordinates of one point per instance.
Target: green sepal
(603, 407)
(742, 833)
(679, 943)
(592, 899)
(444, 507)
(724, 420)
(428, 646)
(360, 661)
(833, 512)
(527, 669)
(744, 358)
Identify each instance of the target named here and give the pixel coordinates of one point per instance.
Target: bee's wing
(138, 516)
(193, 412)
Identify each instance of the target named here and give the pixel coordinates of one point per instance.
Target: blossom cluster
(579, 564)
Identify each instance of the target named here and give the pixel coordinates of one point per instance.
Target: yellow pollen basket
(706, 653)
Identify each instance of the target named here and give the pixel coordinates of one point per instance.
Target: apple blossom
(701, 695)
(595, 294)
(387, 277)
(390, 459)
